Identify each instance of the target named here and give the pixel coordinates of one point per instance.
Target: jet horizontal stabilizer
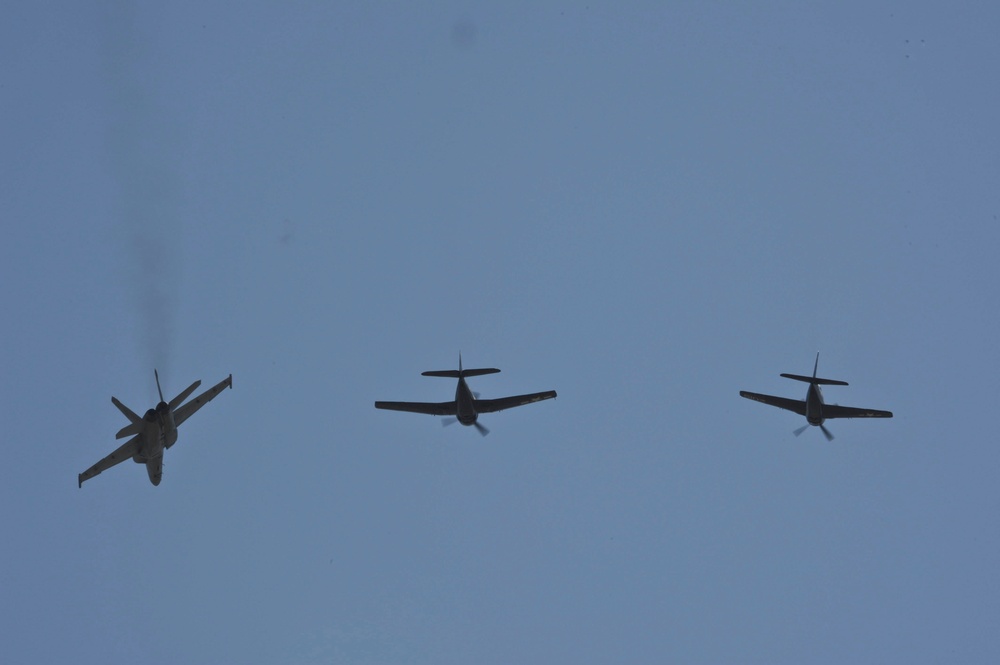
(816, 380)
(129, 430)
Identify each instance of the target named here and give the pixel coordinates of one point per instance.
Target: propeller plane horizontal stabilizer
(816, 380)
(460, 373)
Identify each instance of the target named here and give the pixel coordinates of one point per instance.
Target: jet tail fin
(127, 412)
(177, 401)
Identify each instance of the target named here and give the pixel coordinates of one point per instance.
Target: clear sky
(644, 206)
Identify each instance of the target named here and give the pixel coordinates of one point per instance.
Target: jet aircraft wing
(124, 452)
(499, 404)
(796, 405)
(837, 411)
(187, 410)
(430, 408)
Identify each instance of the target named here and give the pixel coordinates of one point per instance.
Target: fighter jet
(467, 406)
(154, 432)
(813, 408)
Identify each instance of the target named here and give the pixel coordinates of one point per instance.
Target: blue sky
(644, 206)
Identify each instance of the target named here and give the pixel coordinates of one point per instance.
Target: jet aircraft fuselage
(155, 431)
(157, 434)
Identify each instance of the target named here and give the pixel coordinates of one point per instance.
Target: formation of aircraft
(149, 436)
(813, 407)
(467, 405)
(154, 432)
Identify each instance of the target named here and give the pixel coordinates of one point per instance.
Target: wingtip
(230, 381)
(79, 480)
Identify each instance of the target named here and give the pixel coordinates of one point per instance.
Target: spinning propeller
(451, 420)
(826, 432)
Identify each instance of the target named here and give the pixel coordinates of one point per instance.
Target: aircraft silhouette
(813, 407)
(154, 432)
(467, 406)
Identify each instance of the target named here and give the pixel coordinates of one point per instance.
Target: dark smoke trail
(143, 158)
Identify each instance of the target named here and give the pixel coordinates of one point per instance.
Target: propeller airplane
(467, 405)
(813, 407)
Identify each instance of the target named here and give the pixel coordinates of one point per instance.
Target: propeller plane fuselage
(465, 404)
(814, 405)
